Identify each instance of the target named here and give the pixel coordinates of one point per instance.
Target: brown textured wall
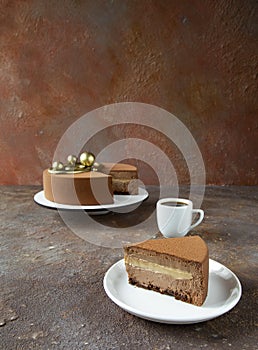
(196, 59)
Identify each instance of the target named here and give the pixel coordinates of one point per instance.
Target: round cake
(90, 187)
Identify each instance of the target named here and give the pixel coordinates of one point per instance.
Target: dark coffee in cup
(174, 204)
(175, 216)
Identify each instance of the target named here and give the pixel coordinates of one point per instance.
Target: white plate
(121, 202)
(223, 294)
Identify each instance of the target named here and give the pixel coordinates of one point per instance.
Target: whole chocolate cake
(85, 182)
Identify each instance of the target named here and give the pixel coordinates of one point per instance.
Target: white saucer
(223, 294)
(121, 202)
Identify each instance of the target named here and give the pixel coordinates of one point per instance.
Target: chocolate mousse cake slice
(173, 266)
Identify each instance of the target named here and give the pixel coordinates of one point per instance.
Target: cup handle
(201, 213)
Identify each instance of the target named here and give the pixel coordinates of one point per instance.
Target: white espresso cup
(175, 215)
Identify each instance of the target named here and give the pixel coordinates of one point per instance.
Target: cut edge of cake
(124, 177)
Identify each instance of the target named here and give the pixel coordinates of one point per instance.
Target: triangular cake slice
(173, 266)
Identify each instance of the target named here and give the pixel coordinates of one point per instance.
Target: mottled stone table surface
(51, 289)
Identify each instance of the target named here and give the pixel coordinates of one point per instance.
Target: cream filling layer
(156, 268)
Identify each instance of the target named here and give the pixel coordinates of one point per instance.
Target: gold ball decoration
(91, 159)
(54, 165)
(83, 158)
(58, 165)
(97, 167)
(87, 159)
(72, 159)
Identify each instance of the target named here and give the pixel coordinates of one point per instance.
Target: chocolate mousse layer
(124, 177)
